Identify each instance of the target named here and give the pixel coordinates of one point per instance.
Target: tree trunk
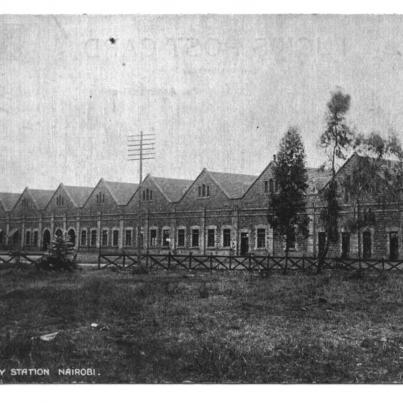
(359, 236)
(322, 256)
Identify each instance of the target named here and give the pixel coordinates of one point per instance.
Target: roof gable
(317, 179)
(172, 189)
(78, 194)
(41, 197)
(233, 185)
(121, 191)
(9, 200)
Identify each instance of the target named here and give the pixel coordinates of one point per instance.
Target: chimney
(274, 158)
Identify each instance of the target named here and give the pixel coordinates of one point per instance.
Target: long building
(218, 213)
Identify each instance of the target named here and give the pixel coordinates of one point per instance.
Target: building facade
(217, 213)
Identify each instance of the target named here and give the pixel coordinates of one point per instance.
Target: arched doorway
(59, 233)
(71, 234)
(46, 239)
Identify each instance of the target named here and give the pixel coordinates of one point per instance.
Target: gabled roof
(121, 191)
(41, 197)
(233, 185)
(78, 194)
(8, 200)
(173, 189)
(317, 179)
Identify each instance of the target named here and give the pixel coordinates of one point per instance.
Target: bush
(60, 258)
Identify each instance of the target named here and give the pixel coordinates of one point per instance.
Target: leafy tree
(287, 213)
(337, 140)
(377, 176)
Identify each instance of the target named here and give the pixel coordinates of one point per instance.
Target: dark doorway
(366, 243)
(321, 243)
(244, 243)
(15, 239)
(72, 237)
(46, 239)
(59, 233)
(393, 246)
(345, 244)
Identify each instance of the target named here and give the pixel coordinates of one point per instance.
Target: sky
(218, 91)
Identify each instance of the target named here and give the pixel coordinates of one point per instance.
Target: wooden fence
(123, 260)
(19, 256)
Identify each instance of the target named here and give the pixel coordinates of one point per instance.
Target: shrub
(60, 257)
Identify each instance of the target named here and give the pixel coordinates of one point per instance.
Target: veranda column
(98, 243)
(7, 228)
(234, 232)
(203, 232)
(22, 232)
(121, 226)
(78, 237)
(39, 232)
(146, 229)
(172, 234)
(52, 226)
(64, 224)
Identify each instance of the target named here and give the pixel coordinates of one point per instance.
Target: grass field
(194, 327)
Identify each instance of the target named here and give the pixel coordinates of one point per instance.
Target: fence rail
(124, 260)
(19, 256)
(254, 263)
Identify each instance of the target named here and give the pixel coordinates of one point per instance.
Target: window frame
(178, 237)
(104, 231)
(208, 229)
(165, 244)
(128, 230)
(259, 229)
(27, 237)
(152, 229)
(117, 238)
(229, 229)
(85, 231)
(93, 231)
(192, 231)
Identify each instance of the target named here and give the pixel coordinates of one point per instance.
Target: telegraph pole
(140, 147)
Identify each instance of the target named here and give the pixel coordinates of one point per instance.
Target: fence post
(211, 262)
(383, 263)
(268, 264)
(146, 259)
(230, 260)
(250, 262)
(190, 260)
(99, 260)
(124, 260)
(303, 263)
(169, 260)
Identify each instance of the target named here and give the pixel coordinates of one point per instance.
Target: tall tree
(377, 178)
(337, 140)
(287, 214)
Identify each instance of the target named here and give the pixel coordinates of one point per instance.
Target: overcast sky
(219, 91)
